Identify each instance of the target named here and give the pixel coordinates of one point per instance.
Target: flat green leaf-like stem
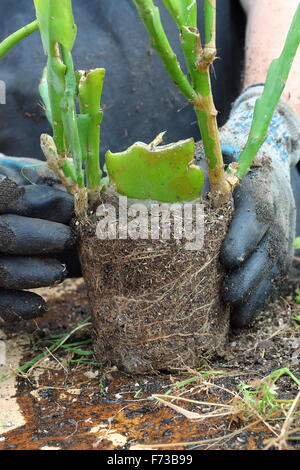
(90, 88)
(150, 16)
(184, 12)
(56, 22)
(69, 116)
(165, 173)
(57, 29)
(196, 88)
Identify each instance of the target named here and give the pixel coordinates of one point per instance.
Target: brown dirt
(155, 305)
(9, 191)
(66, 405)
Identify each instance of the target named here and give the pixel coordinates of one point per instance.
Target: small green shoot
(102, 387)
(296, 318)
(138, 393)
(297, 296)
(195, 379)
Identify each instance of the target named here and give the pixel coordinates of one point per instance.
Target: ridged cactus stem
(69, 116)
(89, 92)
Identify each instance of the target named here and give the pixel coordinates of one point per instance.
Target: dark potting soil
(155, 305)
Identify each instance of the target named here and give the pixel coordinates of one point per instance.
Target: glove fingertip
(230, 256)
(19, 305)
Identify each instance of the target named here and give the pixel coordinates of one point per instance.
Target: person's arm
(267, 27)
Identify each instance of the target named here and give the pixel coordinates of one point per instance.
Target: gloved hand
(34, 213)
(259, 245)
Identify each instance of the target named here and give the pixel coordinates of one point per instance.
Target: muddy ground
(61, 404)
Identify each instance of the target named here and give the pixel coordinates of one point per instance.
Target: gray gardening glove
(258, 249)
(34, 217)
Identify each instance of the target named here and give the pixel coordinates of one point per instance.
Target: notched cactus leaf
(163, 173)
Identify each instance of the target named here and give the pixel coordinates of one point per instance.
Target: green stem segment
(267, 103)
(150, 16)
(210, 23)
(90, 88)
(56, 71)
(199, 59)
(75, 135)
(16, 37)
(69, 116)
(44, 93)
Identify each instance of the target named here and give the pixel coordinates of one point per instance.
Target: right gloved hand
(34, 217)
(258, 248)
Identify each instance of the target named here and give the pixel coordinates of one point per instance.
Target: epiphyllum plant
(73, 153)
(169, 174)
(196, 87)
(199, 54)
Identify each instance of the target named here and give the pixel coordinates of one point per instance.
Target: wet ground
(66, 401)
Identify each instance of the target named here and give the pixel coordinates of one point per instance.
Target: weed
(55, 343)
(252, 403)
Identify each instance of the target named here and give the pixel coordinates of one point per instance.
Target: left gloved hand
(34, 217)
(258, 248)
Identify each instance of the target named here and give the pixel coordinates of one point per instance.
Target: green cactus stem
(69, 116)
(196, 89)
(90, 86)
(150, 16)
(62, 166)
(57, 28)
(265, 106)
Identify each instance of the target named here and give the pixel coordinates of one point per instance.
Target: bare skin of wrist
(268, 22)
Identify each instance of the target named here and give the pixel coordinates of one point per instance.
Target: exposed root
(156, 305)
